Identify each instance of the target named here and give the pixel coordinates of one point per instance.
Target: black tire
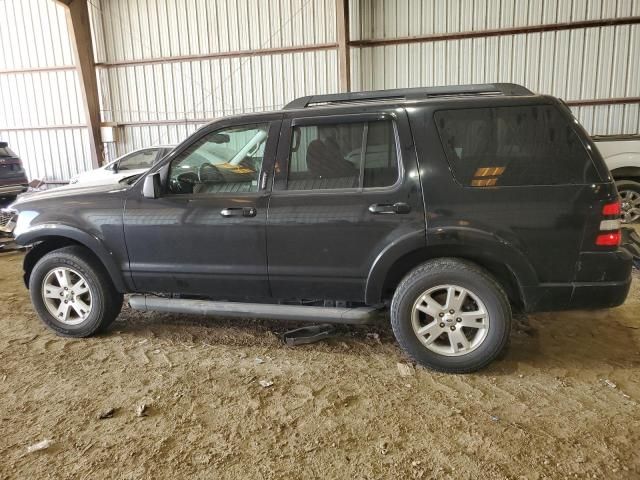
(631, 186)
(451, 271)
(106, 301)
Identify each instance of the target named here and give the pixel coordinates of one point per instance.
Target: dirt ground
(563, 403)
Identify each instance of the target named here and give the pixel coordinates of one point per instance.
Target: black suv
(13, 178)
(452, 206)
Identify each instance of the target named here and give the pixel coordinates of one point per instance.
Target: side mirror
(151, 187)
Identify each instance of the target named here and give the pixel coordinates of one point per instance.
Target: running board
(301, 313)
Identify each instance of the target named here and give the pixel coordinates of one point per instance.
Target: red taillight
(611, 239)
(611, 209)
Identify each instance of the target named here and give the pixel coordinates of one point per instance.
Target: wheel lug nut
(66, 301)
(458, 319)
(442, 325)
(452, 327)
(441, 314)
(451, 312)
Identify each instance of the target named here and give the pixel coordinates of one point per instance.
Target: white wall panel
(211, 88)
(204, 88)
(609, 119)
(207, 89)
(578, 64)
(146, 29)
(591, 63)
(40, 92)
(38, 99)
(387, 19)
(33, 34)
(54, 154)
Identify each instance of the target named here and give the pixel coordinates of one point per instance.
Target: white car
(622, 155)
(134, 163)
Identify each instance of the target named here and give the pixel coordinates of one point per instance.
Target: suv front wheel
(450, 315)
(72, 293)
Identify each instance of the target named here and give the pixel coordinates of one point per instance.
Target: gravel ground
(563, 403)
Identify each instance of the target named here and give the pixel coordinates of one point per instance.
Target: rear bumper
(602, 281)
(599, 295)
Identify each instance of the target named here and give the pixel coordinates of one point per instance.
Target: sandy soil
(563, 403)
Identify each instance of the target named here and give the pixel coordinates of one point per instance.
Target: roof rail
(508, 89)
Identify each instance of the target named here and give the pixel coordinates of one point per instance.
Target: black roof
(506, 89)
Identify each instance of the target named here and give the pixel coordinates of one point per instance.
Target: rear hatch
(11, 170)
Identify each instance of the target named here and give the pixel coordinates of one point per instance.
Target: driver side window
(227, 160)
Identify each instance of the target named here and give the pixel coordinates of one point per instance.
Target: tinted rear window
(510, 146)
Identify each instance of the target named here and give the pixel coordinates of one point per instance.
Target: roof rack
(507, 89)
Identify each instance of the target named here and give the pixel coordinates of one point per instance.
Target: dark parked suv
(13, 178)
(452, 206)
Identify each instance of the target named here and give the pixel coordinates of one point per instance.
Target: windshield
(6, 152)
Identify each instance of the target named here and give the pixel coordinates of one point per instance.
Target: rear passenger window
(510, 146)
(343, 155)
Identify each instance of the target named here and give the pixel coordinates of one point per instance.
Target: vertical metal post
(344, 54)
(79, 27)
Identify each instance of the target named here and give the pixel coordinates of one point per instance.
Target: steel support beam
(79, 28)
(344, 54)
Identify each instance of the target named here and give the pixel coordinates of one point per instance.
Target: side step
(301, 313)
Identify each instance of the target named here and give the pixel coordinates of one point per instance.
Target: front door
(346, 188)
(206, 234)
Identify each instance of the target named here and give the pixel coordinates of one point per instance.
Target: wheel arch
(511, 272)
(626, 173)
(47, 242)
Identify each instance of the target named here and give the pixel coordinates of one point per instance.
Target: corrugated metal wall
(575, 64)
(167, 66)
(41, 109)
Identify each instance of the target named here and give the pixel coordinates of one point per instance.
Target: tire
(427, 288)
(629, 192)
(98, 292)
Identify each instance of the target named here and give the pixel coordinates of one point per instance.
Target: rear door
(346, 188)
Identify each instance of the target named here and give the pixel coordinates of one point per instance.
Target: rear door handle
(239, 212)
(381, 208)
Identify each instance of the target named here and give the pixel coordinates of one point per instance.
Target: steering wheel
(207, 173)
(183, 183)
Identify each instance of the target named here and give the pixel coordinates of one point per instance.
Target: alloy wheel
(630, 200)
(66, 295)
(450, 320)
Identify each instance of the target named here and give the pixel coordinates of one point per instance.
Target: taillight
(609, 235)
(611, 209)
(611, 239)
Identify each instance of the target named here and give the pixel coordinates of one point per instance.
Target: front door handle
(398, 207)
(239, 212)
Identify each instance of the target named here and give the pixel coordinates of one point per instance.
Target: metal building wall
(590, 63)
(41, 109)
(165, 67)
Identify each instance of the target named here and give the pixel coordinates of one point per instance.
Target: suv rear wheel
(450, 315)
(630, 200)
(72, 293)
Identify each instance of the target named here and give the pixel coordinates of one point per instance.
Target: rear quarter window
(513, 146)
